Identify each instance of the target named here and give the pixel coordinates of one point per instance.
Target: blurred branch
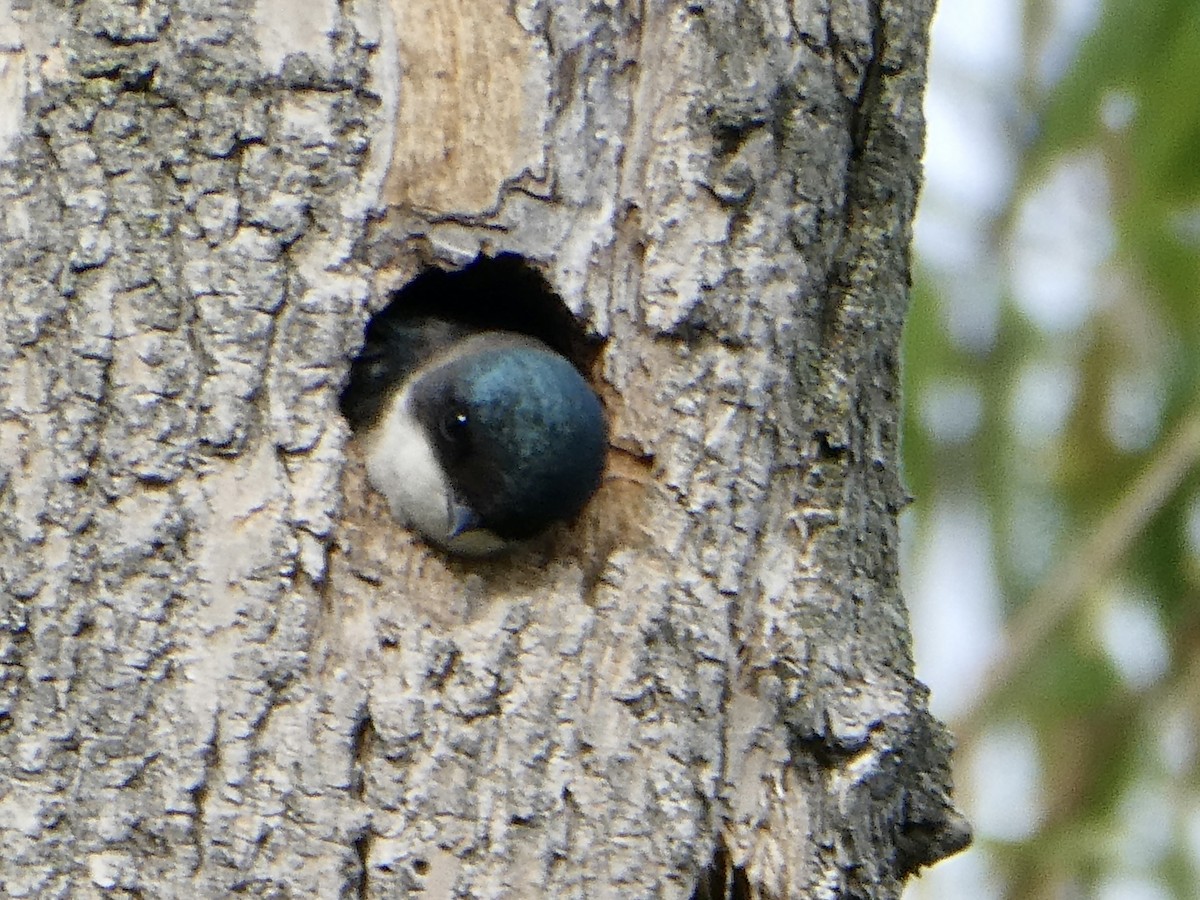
(1082, 571)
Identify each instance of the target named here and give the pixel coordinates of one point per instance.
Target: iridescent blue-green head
(489, 442)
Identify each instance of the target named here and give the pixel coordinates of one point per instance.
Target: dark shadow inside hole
(501, 293)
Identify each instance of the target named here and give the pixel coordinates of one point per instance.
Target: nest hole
(504, 293)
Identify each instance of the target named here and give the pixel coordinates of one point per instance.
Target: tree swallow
(478, 438)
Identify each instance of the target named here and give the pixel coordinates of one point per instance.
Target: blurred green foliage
(1131, 101)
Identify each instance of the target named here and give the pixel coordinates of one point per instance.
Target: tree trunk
(225, 670)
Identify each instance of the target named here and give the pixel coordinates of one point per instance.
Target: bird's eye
(454, 427)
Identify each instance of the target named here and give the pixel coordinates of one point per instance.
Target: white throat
(402, 465)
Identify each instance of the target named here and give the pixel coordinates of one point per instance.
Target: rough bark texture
(224, 670)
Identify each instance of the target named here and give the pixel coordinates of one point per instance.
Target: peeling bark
(224, 670)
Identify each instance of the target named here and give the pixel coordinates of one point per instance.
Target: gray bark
(224, 670)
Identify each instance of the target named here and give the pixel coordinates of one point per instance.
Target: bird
(479, 438)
